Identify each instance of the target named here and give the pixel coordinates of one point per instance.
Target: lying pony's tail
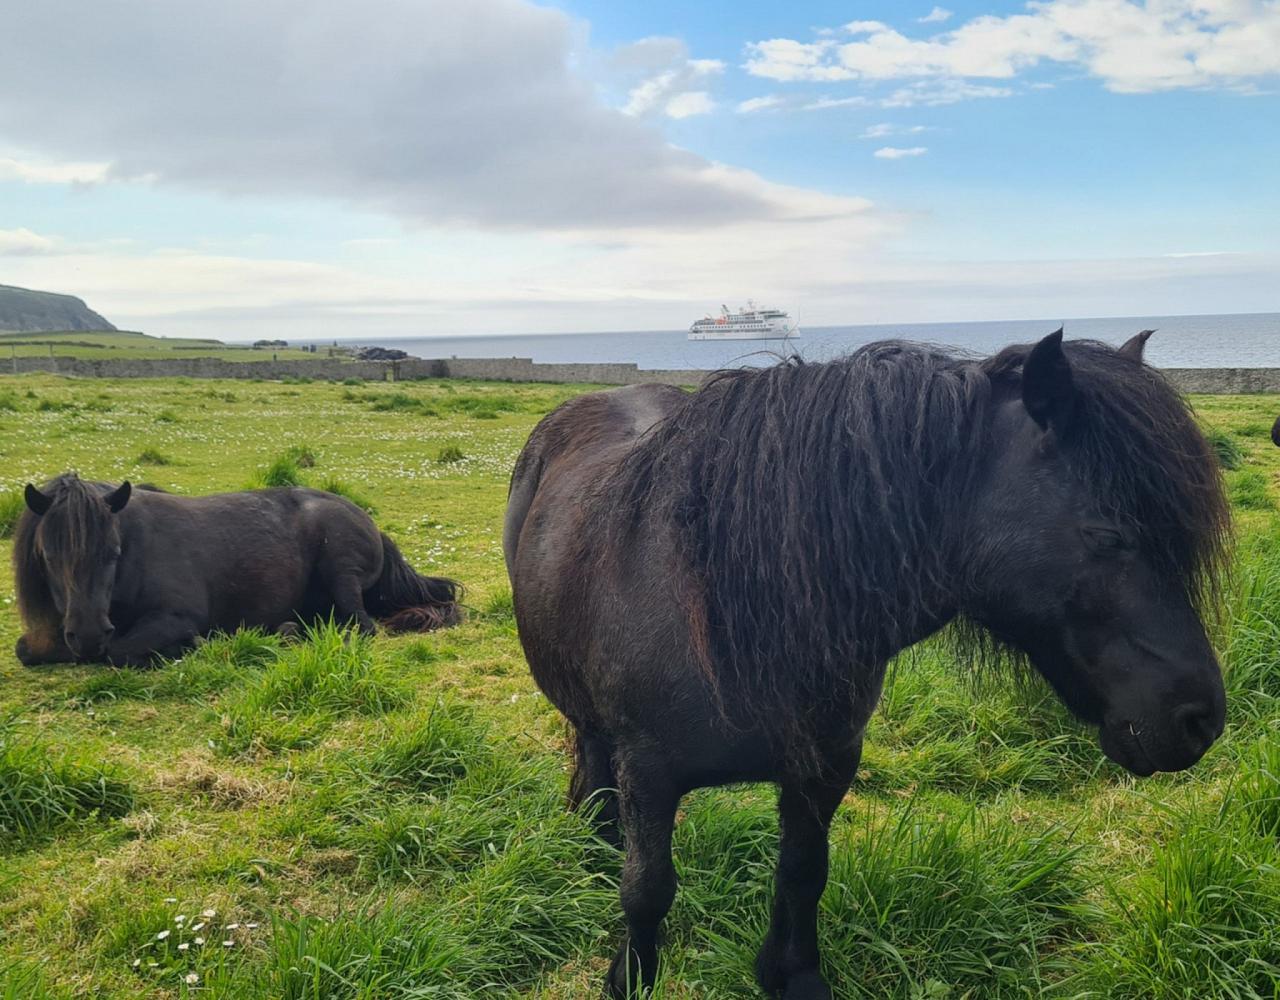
(406, 602)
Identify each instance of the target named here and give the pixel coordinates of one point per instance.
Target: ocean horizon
(1235, 340)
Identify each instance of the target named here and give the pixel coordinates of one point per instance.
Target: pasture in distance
(383, 818)
(102, 345)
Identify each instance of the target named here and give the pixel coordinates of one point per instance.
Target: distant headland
(25, 310)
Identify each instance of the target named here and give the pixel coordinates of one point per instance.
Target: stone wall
(1199, 380)
(525, 370)
(1221, 381)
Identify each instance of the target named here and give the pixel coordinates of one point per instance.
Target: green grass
(295, 700)
(1230, 454)
(389, 811)
(12, 504)
(339, 488)
(153, 456)
(1250, 490)
(42, 790)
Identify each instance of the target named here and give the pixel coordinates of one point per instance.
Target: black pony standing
(709, 585)
(107, 572)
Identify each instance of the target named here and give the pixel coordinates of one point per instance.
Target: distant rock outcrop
(378, 354)
(27, 311)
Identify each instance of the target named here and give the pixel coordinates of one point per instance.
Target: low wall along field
(1193, 380)
(383, 818)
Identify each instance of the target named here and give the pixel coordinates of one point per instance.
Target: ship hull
(729, 334)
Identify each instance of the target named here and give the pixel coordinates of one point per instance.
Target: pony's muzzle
(88, 645)
(1199, 724)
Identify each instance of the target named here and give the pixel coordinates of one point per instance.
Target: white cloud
(40, 171)
(1133, 46)
(463, 279)
(675, 91)
(467, 112)
(899, 152)
(824, 103)
(865, 27)
(753, 104)
(690, 103)
(885, 129)
(935, 16)
(23, 243)
(934, 93)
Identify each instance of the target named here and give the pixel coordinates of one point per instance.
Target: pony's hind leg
(787, 964)
(348, 603)
(648, 806)
(595, 787)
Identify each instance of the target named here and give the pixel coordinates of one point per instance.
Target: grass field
(382, 819)
(97, 346)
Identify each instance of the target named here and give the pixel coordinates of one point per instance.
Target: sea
(1240, 340)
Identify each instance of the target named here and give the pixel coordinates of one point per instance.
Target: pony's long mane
(819, 505)
(61, 537)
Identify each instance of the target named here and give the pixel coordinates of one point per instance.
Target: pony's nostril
(1196, 721)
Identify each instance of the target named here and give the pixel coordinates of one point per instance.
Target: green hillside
(26, 310)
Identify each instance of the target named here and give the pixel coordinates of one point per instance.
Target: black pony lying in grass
(106, 572)
(709, 585)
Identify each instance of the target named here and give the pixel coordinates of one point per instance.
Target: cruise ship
(748, 323)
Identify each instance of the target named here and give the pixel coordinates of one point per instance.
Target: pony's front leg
(33, 650)
(787, 965)
(648, 805)
(161, 635)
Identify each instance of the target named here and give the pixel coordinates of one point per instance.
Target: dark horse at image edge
(110, 572)
(709, 585)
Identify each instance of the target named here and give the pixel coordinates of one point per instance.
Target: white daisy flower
(162, 935)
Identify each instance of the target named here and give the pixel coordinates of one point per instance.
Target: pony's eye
(1105, 538)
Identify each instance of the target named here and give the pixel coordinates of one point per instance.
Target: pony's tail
(407, 602)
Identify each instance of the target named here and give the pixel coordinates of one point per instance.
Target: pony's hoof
(625, 980)
(289, 632)
(807, 986)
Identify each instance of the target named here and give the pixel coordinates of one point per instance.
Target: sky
(327, 168)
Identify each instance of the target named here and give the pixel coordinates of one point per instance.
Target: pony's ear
(116, 499)
(37, 501)
(1133, 346)
(1048, 391)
